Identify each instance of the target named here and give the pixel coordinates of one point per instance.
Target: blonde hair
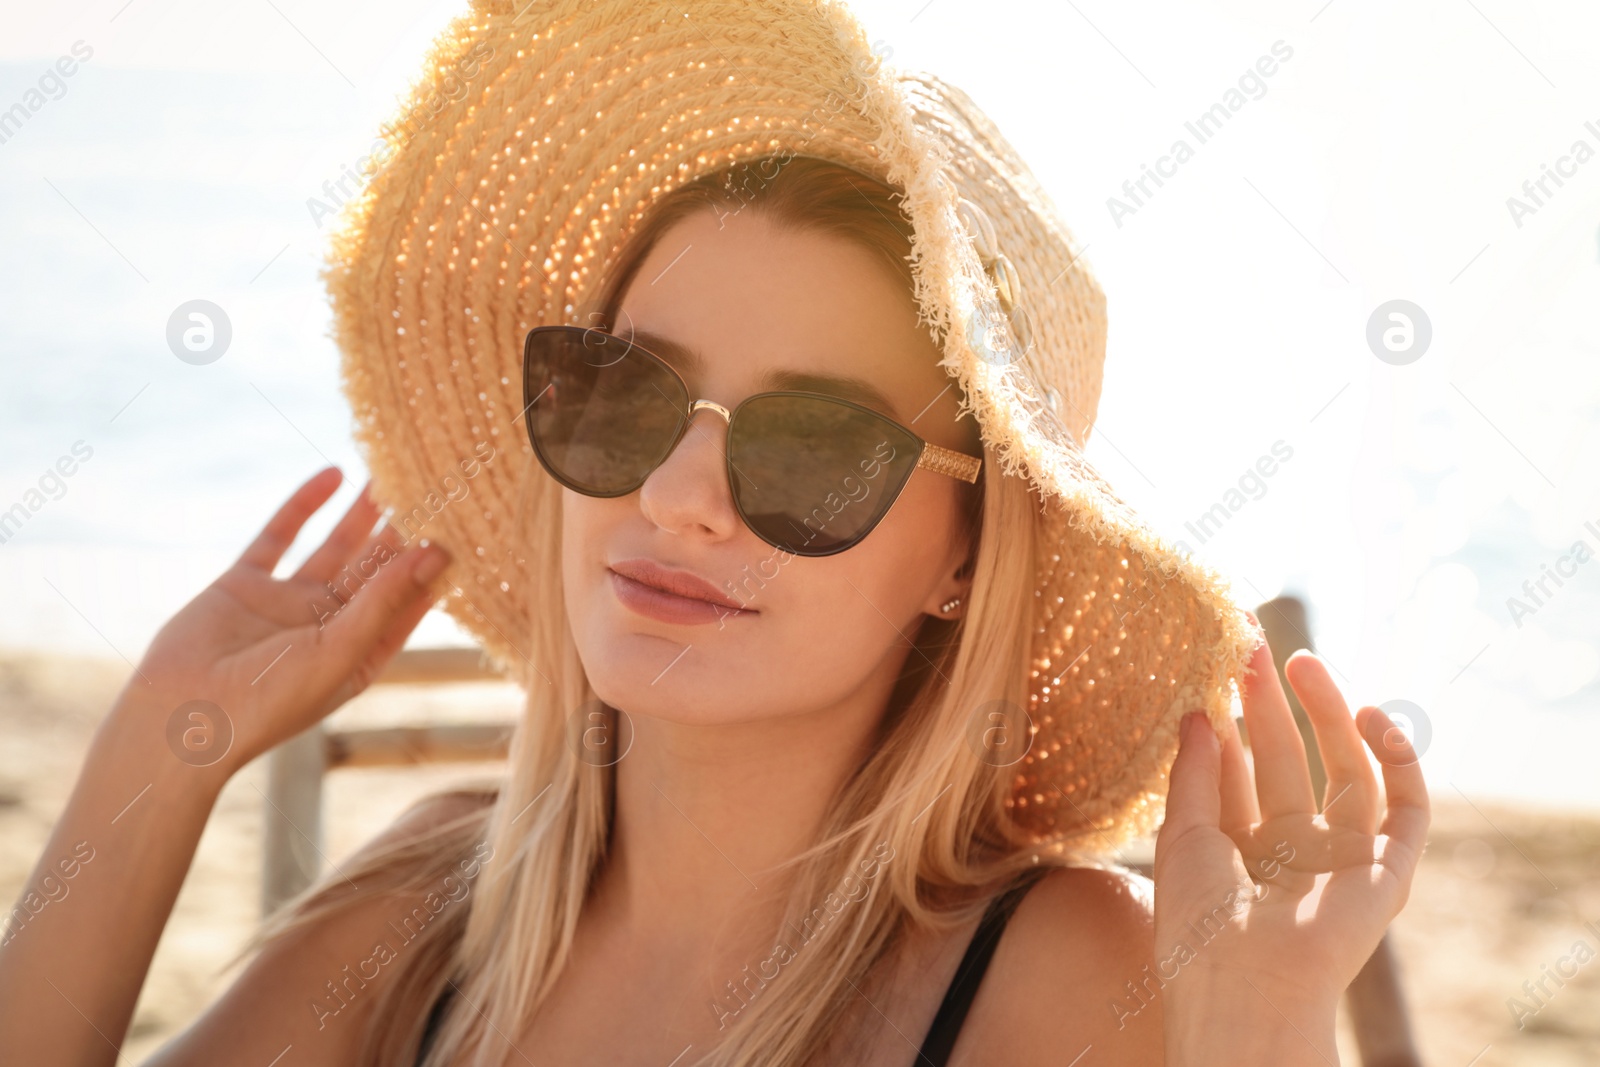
(923, 812)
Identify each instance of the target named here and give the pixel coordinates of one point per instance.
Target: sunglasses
(810, 474)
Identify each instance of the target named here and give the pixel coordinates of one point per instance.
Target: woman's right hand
(248, 663)
(266, 658)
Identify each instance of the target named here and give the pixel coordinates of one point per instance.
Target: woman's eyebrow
(687, 361)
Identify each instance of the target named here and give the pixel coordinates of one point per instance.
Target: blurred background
(1378, 279)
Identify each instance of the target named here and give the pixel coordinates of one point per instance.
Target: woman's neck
(705, 815)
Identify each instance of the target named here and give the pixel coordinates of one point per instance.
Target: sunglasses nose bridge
(694, 409)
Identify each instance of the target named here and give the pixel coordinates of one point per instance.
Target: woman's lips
(658, 604)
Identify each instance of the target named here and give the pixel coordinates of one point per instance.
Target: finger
(1351, 800)
(349, 638)
(1407, 811)
(1283, 780)
(342, 542)
(280, 531)
(1193, 801)
(381, 549)
(392, 640)
(1239, 811)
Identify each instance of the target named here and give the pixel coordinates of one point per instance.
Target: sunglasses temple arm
(947, 462)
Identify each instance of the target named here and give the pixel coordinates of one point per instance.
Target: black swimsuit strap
(946, 1025)
(435, 1016)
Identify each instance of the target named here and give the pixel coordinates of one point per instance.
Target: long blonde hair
(923, 812)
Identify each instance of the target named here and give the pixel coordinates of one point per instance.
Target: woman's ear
(949, 597)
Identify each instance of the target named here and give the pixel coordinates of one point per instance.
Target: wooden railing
(295, 769)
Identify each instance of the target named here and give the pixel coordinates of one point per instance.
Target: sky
(1383, 159)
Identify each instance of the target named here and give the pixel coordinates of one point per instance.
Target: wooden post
(1375, 998)
(1288, 631)
(1377, 1006)
(292, 837)
(292, 841)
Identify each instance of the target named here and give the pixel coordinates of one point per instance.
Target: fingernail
(433, 561)
(1185, 727)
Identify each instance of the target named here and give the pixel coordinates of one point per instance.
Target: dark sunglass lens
(603, 414)
(814, 476)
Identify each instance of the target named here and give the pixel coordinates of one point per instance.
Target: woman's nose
(688, 494)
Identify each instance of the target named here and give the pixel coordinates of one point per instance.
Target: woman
(792, 760)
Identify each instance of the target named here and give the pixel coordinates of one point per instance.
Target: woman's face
(753, 300)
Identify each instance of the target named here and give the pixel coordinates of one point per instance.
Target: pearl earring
(950, 605)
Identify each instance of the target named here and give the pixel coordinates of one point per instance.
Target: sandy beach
(1502, 898)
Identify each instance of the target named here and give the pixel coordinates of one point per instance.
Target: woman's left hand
(1265, 910)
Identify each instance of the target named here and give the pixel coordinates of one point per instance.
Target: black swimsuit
(946, 1025)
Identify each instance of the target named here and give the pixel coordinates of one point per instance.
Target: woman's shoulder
(1060, 979)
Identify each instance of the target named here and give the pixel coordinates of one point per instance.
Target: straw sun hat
(539, 133)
